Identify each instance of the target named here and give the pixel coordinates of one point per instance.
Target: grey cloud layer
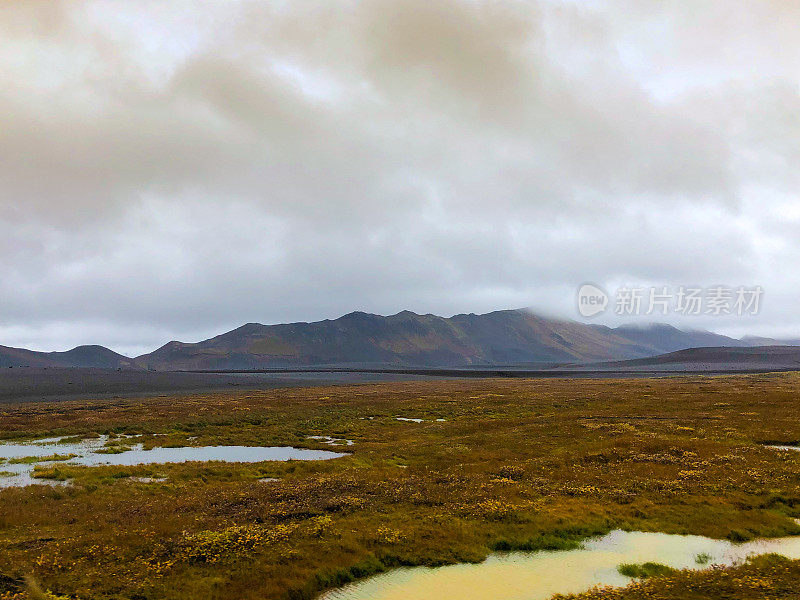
(171, 170)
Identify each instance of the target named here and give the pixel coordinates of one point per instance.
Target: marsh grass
(29, 460)
(517, 465)
(53, 473)
(739, 536)
(113, 450)
(768, 576)
(568, 538)
(645, 570)
(703, 558)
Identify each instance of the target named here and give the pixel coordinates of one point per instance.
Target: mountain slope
(501, 337)
(82, 356)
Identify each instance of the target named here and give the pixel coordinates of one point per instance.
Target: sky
(171, 170)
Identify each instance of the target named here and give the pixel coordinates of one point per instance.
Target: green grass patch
(52, 473)
(702, 559)
(739, 536)
(645, 570)
(29, 460)
(561, 538)
(113, 450)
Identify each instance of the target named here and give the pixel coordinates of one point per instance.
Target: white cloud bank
(170, 170)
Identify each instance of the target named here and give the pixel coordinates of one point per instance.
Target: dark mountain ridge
(498, 338)
(506, 337)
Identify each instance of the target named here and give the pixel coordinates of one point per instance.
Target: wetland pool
(540, 575)
(18, 460)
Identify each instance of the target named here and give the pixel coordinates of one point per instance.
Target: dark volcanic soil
(22, 384)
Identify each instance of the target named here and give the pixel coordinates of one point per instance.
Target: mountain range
(498, 338)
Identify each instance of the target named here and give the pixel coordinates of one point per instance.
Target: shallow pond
(331, 441)
(16, 471)
(777, 447)
(540, 575)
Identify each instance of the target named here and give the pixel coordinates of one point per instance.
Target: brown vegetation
(515, 464)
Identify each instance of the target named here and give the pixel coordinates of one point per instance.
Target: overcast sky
(171, 170)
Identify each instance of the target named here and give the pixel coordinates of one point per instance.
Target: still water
(540, 575)
(89, 453)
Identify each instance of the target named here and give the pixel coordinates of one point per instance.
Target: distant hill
(497, 338)
(506, 337)
(82, 356)
(751, 340)
(666, 338)
(753, 357)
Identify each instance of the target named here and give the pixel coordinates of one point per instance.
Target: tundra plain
(439, 472)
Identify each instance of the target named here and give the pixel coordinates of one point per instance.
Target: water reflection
(540, 575)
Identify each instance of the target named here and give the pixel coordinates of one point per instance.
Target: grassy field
(513, 465)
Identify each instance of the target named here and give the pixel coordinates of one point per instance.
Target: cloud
(172, 170)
